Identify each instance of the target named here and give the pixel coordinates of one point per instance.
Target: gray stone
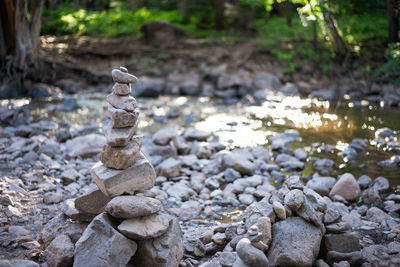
(240, 163)
(120, 136)
(92, 202)
(127, 103)
(347, 187)
(121, 89)
(127, 207)
(279, 210)
(164, 136)
(69, 175)
(18, 263)
(121, 118)
(294, 199)
(344, 243)
(380, 185)
(164, 251)
(85, 146)
(227, 259)
(102, 245)
(364, 181)
(321, 185)
(140, 176)
(251, 255)
(192, 134)
(169, 168)
(68, 208)
(145, 227)
(121, 158)
(120, 76)
(295, 243)
(60, 252)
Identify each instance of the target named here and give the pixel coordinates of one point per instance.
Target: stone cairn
(129, 227)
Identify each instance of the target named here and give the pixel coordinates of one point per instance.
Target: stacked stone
(127, 223)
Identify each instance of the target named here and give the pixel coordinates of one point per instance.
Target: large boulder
(295, 243)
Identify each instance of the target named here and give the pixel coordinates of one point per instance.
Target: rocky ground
(220, 197)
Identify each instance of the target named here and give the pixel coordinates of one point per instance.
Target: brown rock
(140, 176)
(347, 187)
(145, 227)
(121, 118)
(122, 76)
(127, 207)
(68, 208)
(122, 157)
(92, 202)
(120, 136)
(121, 89)
(127, 103)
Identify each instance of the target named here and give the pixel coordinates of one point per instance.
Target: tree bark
(219, 14)
(393, 14)
(184, 10)
(339, 46)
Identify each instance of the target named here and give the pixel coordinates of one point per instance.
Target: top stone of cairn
(122, 76)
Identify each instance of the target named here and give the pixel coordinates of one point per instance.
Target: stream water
(239, 125)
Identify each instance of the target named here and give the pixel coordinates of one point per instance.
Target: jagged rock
(121, 89)
(92, 202)
(145, 227)
(127, 207)
(347, 187)
(294, 199)
(120, 136)
(295, 243)
(121, 158)
(121, 118)
(102, 245)
(68, 208)
(120, 76)
(251, 255)
(85, 146)
(127, 103)
(60, 252)
(140, 176)
(164, 251)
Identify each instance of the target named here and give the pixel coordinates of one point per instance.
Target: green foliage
(391, 69)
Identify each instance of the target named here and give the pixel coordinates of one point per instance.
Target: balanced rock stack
(130, 228)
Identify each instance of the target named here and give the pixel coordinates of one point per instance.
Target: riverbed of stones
(240, 207)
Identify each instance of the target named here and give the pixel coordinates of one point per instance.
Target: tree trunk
(184, 10)
(339, 45)
(219, 14)
(393, 13)
(22, 44)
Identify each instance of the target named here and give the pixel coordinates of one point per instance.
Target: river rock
(295, 243)
(264, 227)
(347, 187)
(164, 136)
(60, 252)
(121, 89)
(121, 118)
(120, 76)
(102, 245)
(18, 263)
(145, 227)
(122, 157)
(164, 251)
(169, 168)
(279, 210)
(294, 199)
(364, 181)
(68, 208)
(192, 134)
(251, 255)
(321, 185)
(127, 207)
(344, 243)
(120, 136)
(127, 103)
(92, 202)
(140, 176)
(85, 146)
(240, 163)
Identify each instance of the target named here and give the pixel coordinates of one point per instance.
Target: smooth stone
(93, 202)
(364, 181)
(322, 185)
(169, 168)
(347, 187)
(294, 199)
(251, 255)
(121, 89)
(192, 134)
(102, 245)
(145, 227)
(240, 163)
(120, 76)
(164, 136)
(60, 252)
(85, 146)
(127, 207)
(127, 103)
(344, 243)
(120, 136)
(295, 243)
(164, 251)
(264, 227)
(279, 210)
(121, 118)
(121, 158)
(140, 176)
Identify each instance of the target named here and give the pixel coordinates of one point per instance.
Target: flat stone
(127, 207)
(93, 202)
(169, 168)
(120, 136)
(164, 251)
(251, 255)
(345, 242)
(322, 185)
(68, 208)
(140, 176)
(121, 118)
(102, 245)
(192, 134)
(122, 157)
(60, 252)
(295, 243)
(164, 136)
(121, 89)
(85, 146)
(123, 77)
(347, 187)
(145, 227)
(127, 103)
